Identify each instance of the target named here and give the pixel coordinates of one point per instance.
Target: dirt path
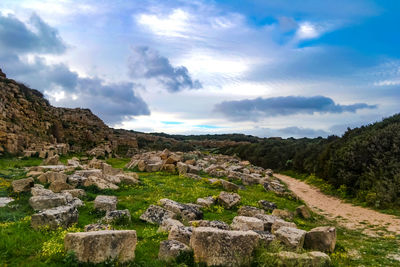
(350, 216)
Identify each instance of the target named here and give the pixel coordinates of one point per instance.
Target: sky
(289, 68)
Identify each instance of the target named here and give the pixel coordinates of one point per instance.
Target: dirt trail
(350, 216)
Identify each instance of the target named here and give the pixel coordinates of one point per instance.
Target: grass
(337, 192)
(21, 245)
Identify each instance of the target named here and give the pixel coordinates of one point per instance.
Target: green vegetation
(363, 164)
(21, 245)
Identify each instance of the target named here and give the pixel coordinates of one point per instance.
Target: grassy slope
(21, 245)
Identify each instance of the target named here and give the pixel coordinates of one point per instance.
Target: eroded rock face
(244, 223)
(223, 248)
(171, 249)
(106, 203)
(188, 212)
(99, 246)
(321, 238)
(291, 237)
(156, 215)
(228, 200)
(22, 185)
(62, 216)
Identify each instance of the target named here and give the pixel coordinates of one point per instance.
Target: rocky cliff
(29, 123)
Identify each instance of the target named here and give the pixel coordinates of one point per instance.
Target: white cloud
(307, 30)
(173, 25)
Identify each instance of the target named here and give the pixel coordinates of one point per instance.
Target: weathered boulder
(97, 227)
(321, 238)
(182, 168)
(100, 183)
(51, 176)
(106, 203)
(99, 246)
(213, 224)
(172, 159)
(283, 214)
(187, 212)
(58, 186)
(303, 211)
(228, 186)
(181, 233)
(268, 220)
(62, 216)
(76, 180)
(267, 205)
(310, 259)
(39, 190)
(168, 168)
(42, 202)
(75, 192)
(22, 185)
(165, 154)
(156, 215)
(228, 200)
(278, 223)
(113, 216)
(265, 238)
(221, 247)
(206, 201)
(291, 237)
(193, 169)
(192, 176)
(54, 160)
(249, 211)
(167, 224)
(154, 167)
(244, 223)
(171, 249)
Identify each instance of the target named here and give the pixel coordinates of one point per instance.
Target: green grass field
(20, 245)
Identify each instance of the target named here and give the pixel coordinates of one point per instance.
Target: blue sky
(268, 68)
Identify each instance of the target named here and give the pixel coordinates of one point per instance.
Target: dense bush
(364, 163)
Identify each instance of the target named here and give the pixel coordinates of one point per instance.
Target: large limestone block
(50, 177)
(156, 215)
(22, 185)
(181, 233)
(223, 248)
(106, 203)
(321, 238)
(228, 200)
(249, 211)
(63, 216)
(247, 223)
(47, 201)
(188, 212)
(291, 237)
(99, 246)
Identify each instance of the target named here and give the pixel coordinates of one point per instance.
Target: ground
(21, 245)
